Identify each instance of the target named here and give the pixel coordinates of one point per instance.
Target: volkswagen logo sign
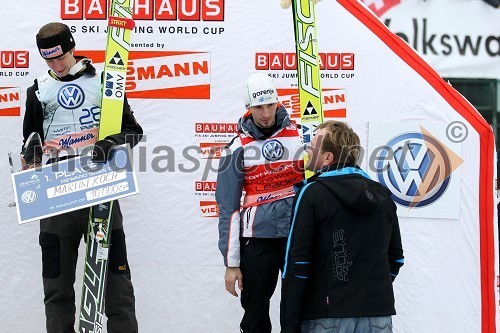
(28, 197)
(273, 150)
(415, 167)
(70, 96)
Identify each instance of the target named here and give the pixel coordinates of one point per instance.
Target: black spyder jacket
(131, 131)
(344, 249)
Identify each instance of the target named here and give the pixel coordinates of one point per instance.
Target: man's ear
(329, 159)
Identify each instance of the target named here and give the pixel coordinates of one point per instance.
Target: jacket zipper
(248, 216)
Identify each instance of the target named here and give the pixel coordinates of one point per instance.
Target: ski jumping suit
(254, 238)
(65, 112)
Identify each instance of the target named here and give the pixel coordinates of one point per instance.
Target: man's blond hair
(341, 141)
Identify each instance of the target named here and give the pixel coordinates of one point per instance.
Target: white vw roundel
(273, 150)
(70, 96)
(28, 197)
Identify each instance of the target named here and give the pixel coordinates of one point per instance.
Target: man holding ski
(264, 160)
(63, 107)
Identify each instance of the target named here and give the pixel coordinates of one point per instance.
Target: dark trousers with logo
(261, 261)
(59, 239)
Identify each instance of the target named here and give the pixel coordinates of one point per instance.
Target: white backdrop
(186, 77)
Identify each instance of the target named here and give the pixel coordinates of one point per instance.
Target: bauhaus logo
(216, 128)
(205, 186)
(164, 74)
(417, 168)
(213, 137)
(167, 10)
(14, 59)
(205, 190)
(288, 61)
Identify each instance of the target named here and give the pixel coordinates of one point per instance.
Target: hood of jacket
(353, 187)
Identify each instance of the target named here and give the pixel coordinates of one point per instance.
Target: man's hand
(101, 150)
(232, 275)
(26, 166)
(32, 151)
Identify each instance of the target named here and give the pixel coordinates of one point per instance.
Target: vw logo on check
(416, 168)
(70, 96)
(28, 197)
(273, 150)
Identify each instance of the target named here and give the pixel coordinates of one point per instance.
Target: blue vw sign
(70, 96)
(415, 167)
(273, 150)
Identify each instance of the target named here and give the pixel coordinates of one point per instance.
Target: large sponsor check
(72, 184)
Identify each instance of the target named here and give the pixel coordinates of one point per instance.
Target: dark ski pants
(261, 261)
(59, 239)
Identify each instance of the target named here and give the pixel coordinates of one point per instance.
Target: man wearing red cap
(63, 107)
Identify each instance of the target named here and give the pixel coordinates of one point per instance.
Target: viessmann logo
(205, 190)
(165, 10)
(211, 150)
(10, 101)
(209, 208)
(164, 74)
